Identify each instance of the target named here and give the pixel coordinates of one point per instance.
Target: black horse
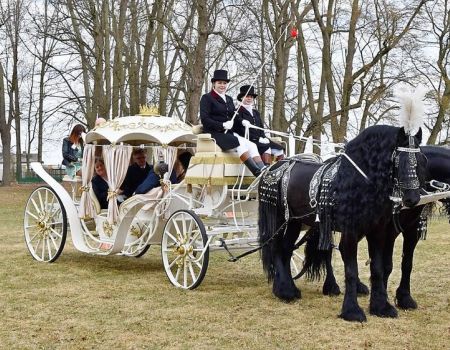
(381, 160)
(412, 224)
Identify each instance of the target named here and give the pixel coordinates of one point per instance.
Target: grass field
(93, 302)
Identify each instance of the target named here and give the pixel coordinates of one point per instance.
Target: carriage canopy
(140, 129)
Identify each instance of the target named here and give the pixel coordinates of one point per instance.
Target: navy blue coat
(152, 181)
(213, 113)
(100, 188)
(253, 134)
(134, 177)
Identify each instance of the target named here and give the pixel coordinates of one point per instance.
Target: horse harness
(410, 183)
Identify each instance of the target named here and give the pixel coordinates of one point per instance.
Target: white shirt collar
(221, 95)
(249, 108)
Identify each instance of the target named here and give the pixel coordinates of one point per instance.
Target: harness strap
(356, 166)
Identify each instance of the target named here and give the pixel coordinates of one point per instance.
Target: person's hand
(263, 140)
(228, 125)
(246, 123)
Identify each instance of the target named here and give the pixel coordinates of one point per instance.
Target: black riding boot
(253, 167)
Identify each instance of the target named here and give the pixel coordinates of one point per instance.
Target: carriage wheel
(184, 249)
(45, 225)
(143, 251)
(297, 260)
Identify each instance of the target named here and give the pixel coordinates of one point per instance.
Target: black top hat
(243, 91)
(221, 75)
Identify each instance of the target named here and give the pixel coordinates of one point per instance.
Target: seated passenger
(100, 183)
(248, 115)
(216, 114)
(136, 174)
(153, 178)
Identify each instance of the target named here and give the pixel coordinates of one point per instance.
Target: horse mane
(359, 201)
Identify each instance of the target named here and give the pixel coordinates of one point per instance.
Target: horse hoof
(361, 288)
(287, 295)
(387, 311)
(406, 302)
(331, 290)
(354, 316)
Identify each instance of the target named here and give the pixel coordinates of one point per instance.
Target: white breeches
(274, 152)
(246, 146)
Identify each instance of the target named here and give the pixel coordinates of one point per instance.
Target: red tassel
(294, 33)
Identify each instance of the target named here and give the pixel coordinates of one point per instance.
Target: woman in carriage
(248, 115)
(216, 114)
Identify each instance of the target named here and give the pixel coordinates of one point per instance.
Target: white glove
(228, 125)
(263, 140)
(246, 123)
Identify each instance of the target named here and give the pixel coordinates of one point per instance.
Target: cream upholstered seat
(210, 165)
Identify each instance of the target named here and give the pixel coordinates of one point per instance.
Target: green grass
(91, 302)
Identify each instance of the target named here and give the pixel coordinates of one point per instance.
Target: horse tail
(315, 259)
(267, 228)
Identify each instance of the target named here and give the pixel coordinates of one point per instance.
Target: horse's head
(409, 167)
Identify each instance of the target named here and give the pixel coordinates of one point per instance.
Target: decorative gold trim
(144, 124)
(107, 228)
(228, 180)
(135, 231)
(214, 160)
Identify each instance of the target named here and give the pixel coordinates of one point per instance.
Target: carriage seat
(210, 165)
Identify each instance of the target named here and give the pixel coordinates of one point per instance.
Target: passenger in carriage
(100, 183)
(72, 151)
(136, 174)
(155, 175)
(216, 113)
(248, 115)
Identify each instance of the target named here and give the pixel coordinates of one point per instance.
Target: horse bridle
(412, 180)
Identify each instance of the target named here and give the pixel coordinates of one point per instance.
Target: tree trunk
(197, 64)
(5, 133)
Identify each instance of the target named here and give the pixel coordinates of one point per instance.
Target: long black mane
(358, 200)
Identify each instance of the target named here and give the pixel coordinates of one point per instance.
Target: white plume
(411, 109)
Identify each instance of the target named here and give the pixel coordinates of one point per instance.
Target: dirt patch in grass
(86, 302)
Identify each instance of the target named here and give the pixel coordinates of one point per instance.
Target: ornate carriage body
(215, 207)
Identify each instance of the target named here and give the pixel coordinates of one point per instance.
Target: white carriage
(214, 207)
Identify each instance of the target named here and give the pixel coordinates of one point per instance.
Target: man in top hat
(216, 114)
(248, 115)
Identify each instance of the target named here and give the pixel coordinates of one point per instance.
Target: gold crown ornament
(148, 110)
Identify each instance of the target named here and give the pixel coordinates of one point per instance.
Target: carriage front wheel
(45, 225)
(184, 249)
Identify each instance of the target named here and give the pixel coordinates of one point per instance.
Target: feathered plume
(411, 109)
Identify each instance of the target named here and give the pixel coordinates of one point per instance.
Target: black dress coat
(213, 113)
(68, 152)
(134, 177)
(253, 134)
(100, 188)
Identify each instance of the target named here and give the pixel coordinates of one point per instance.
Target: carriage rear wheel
(45, 225)
(184, 249)
(297, 260)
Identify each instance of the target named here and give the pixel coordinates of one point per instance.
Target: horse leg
(379, 305)
(283, 284)
(330, 286)
(351, 311)
(403, 293)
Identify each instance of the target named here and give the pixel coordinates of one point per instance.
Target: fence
(31, 177)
